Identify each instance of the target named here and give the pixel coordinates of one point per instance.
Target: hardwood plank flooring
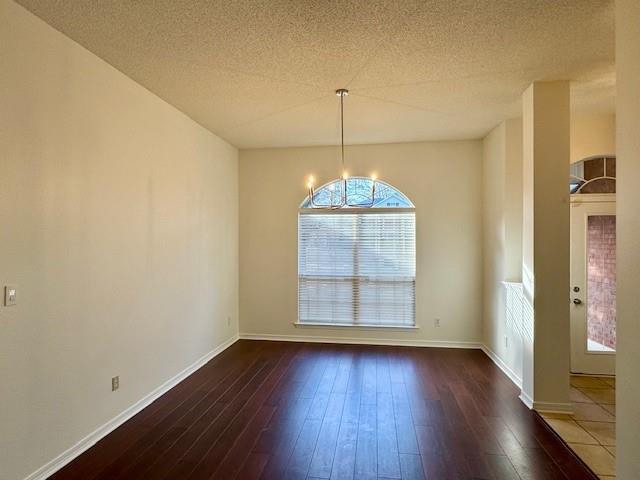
(278, 410)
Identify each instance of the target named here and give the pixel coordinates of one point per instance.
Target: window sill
(360, 326)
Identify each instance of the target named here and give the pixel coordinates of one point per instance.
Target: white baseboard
(527, 400)
(360, 341)
(502, 366)
(553, 407)
(546, 407)
(87, 442)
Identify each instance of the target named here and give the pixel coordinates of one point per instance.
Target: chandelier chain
(342, 129)
(344, 190)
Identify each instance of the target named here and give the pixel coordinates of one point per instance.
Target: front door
(593, 284)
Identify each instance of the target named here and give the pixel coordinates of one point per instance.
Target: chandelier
(344, 182)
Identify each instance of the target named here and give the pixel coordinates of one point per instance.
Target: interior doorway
(593, 267)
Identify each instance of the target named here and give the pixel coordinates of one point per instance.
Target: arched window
(359, 191)
(593, 175)
(357, 266)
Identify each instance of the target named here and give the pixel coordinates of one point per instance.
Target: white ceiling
(262, 73)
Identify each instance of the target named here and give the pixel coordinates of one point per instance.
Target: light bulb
(345, 175)
(374, 177)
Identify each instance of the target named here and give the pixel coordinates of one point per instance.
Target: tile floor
(591, 430)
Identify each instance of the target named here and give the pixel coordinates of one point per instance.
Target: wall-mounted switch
(10, 295)
(436, 322)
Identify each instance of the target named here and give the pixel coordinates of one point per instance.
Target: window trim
(361, 326)
(352, 210)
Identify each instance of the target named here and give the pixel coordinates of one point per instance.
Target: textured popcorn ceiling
(263, 73)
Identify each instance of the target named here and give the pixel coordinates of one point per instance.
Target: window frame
(350, 211)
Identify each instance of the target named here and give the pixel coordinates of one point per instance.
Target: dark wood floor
(276, 410)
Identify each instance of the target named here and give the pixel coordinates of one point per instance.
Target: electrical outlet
(436, 322)
(115, 383)
(228, 321)
(506, 342)
(10, 295)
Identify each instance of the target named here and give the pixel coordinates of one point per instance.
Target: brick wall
(601, 279)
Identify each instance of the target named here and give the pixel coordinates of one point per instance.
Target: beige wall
(592, 134)
(628, 251)
(119, 224)
(502, 238)
(546, 152)
(513, 199)
(443, 179)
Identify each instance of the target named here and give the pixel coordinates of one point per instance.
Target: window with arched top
(593, 175)
(357, 266)
(358, 191)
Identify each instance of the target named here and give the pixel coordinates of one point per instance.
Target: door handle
(577, 301)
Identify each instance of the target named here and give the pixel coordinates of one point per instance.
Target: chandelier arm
(311, 197)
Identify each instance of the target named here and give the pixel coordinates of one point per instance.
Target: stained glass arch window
(359, 192)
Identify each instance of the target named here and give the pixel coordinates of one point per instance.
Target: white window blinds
(357, 268)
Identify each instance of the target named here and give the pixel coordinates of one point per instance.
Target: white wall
(119, 224)
(443, 179)
(628, 200)
(502, 239)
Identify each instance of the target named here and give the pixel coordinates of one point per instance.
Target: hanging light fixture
(344, 190)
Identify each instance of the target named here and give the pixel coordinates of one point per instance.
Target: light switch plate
(10, 295)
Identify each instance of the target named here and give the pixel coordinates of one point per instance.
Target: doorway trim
(575, 200)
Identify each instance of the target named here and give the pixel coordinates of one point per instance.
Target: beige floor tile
(571, 432)
(597, 457)
(588, 382)
(612, 450)
(600, 395)
(577, 396)
(592, 413)
(607, 477)
(610, 408)
(604, 432)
